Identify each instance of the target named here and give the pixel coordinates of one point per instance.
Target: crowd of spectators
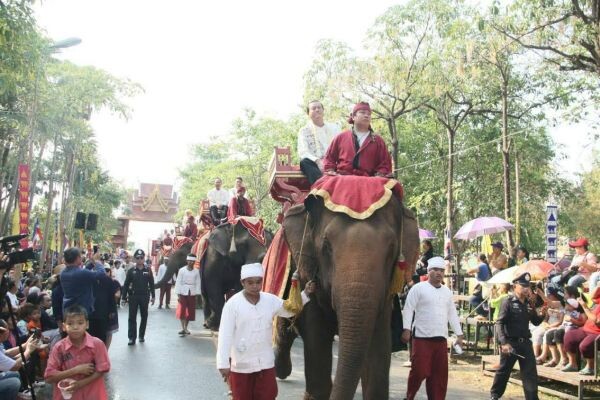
(73, 308)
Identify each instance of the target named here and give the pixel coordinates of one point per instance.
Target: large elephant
(353, 263)
(221, 266)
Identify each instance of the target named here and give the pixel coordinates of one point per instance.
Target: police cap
(524, 279)
(139, 252)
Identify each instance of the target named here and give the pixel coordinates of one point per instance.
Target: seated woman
(483, 273)
(554, 318)
(582, 339)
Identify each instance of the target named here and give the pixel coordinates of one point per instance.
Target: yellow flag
(15, 222)
(486, 245)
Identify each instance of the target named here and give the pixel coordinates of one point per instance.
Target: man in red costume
(239, 206)
(358, 151)
(191, 229)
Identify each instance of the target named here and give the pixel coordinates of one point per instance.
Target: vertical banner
(551, 232)
(24, 203)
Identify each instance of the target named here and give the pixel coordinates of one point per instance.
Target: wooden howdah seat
(287, 184)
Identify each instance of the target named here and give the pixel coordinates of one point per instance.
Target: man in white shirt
(313, 141)
(427, 312)
(165, 290)
(187, 287)
(120, 272)
(219, 200)
(244, 354)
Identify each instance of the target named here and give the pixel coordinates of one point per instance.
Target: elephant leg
(375, 375)
(207, 310)
(317, 333)
(216, 300)
(284, 338)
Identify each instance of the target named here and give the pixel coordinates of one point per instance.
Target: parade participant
(187, 287)
(165, 290)
(313, 140)
(77, 283)
(497, 260)
(119, 272)
(585, 263)
(244, 353)
(239, 182)
(191, 229)
(79, 357)
(358, 151)
(218, 199)
(239, 206)
(167, 240)
(427, 312)
(138, 289)
(512, 326)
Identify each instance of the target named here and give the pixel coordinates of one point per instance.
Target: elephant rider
(313, 140)
(218, 199)
(358, 151)
(191, 229)
(244, 352)
(239, 206)
(428, 310)
(239, 182)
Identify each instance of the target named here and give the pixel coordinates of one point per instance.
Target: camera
(11, 247)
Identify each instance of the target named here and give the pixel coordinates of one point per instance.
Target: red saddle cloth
(357, 196)
(199, 248)
(254, 225)
(276, 264)
(180, 241)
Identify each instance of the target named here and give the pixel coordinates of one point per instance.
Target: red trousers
(186, 308)
(259, 385)
(429, 361)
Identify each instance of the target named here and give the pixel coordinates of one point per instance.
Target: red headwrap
(362, 106)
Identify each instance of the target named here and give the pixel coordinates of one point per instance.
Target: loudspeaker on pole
(92, 221)
(80, 220)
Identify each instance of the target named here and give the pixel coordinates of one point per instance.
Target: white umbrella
(483, 226)
(504, 276)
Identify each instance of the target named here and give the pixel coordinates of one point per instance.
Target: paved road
(168, 367)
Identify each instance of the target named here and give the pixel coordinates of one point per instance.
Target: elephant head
(353, 262)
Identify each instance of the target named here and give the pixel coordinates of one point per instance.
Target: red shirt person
(358, 151)
(239, 206)
(191, 229)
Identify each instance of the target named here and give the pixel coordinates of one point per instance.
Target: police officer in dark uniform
(512, 325)
(138, 289)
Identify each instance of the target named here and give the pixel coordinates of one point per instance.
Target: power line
(460, 151)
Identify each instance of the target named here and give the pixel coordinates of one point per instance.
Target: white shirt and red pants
(245, 345)
(187, 287)
(427, 312)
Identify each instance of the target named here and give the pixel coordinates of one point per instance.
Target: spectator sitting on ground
(44, 301)
(12, 294)
(11, 362)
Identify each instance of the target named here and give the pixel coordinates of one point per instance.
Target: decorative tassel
(397, 279)
(232, 248)
(293, 303)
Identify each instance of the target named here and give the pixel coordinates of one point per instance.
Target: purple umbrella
(425, 234)
(483, 226)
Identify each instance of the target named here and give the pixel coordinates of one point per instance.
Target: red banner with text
(24, 203)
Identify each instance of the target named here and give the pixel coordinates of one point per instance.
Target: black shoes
(131, 342)
(142, 340)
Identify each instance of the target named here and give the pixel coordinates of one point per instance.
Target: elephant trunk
(359, 294)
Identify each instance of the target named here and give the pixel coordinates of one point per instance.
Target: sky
(202, 63)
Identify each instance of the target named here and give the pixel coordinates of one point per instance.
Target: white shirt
(361, 136)
(120, 274)
(162, 269)
(433, 309)
(233, 193)
(13, 300)
(218, 197)
(188, 282)
(313, 140)
(246, 330)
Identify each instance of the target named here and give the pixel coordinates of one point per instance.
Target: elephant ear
(299, 238)
(220, 239)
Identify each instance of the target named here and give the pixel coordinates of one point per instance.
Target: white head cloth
(435, 262)
(190, 258)
(252, 271)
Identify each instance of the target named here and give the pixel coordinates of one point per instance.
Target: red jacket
(235, 210)
(373, 156)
